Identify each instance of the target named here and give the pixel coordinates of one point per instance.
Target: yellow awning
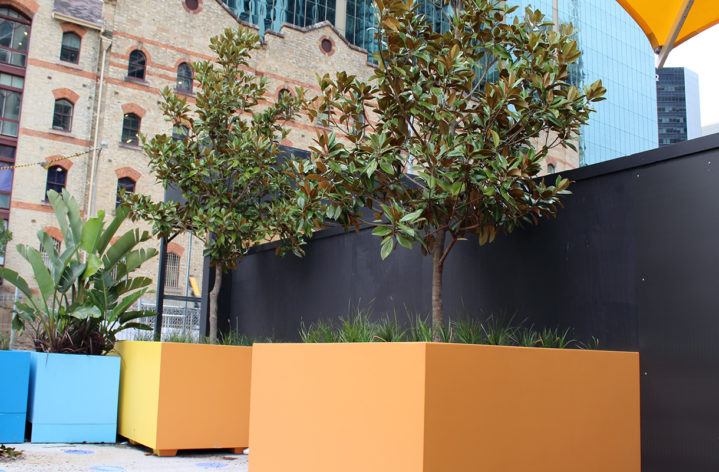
(659, 18)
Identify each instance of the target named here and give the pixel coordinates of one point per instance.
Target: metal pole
(187, 280)
(160, 289)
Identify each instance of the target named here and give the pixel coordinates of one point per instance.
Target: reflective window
(131, 129)
(10, 101)
(172, 270)
(136, 65)
(62, 116)
(70, 50)
(56, 178)
(14, 37)
(184, 77)
(125, 184)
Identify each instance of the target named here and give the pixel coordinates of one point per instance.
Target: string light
(47, 164)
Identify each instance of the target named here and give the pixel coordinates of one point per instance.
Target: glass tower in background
(614, 50)
(678, 105)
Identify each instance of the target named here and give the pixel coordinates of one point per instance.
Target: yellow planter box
(426, 407)
(184, 396)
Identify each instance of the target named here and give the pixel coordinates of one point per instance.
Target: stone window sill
(134, 147)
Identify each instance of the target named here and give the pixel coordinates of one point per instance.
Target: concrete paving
(116, 458)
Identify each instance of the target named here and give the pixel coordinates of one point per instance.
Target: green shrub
(86, 291)
(553, 338)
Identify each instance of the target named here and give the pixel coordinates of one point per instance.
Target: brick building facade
(79, 79)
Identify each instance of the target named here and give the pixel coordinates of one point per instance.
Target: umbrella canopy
(668, 23)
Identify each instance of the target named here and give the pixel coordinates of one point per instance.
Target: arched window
(551, 169)
(172, 270)
(14, 37)
(62, 116)
(131, 129)
(56, 179)
(126, 184)
(136, 66)
(184, 77)
(70, 50)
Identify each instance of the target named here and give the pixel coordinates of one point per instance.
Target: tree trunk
(214, 296)
(437, 267)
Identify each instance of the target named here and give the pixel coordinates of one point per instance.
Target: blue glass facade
(616, 51)
(272, 14)
(677, 105)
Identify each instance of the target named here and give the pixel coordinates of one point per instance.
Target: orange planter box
(184, 396)
(426, 407)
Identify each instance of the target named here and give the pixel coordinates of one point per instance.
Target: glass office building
(614, 50)
(678, 105)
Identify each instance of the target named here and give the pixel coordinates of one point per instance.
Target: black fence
(632, 259)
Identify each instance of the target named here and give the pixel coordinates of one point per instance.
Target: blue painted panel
(73, 398)
(15, 372)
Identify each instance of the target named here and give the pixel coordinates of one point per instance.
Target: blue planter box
(15, 373)
(73, 398)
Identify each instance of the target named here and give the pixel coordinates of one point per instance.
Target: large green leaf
(134, 260)
(136, 315)
(85, 311)
(73, 215)
(128, 285)
(60, 208)
(91, 234)
(120, 249)
(15, 279)
(109, 233)
(42, 274)
(93, 265)
(124, 304)
(70, 276)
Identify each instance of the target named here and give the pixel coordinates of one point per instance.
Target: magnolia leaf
(387, 248)
(411, 217)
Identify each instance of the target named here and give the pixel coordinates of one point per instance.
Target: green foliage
(85, 291)
(389, 329)
(175, 336)
(499, 331)
(4, 341)
(5, 237)
(7, 452)
(553, 338)
(318, 332)
(590, 345)
(447, 137)
(527, 337)
(468, 331)
(228, 165)
(358, 326)
(422, 330)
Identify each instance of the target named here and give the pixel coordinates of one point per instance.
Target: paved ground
(116, 458)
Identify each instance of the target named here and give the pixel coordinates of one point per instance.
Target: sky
(699, 55)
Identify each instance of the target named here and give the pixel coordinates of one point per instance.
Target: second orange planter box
(184, 396)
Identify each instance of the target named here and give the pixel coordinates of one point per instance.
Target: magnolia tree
(226, 161)
(447, 137)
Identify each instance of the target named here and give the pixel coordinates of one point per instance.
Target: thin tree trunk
(437, 267)
(214, 296)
